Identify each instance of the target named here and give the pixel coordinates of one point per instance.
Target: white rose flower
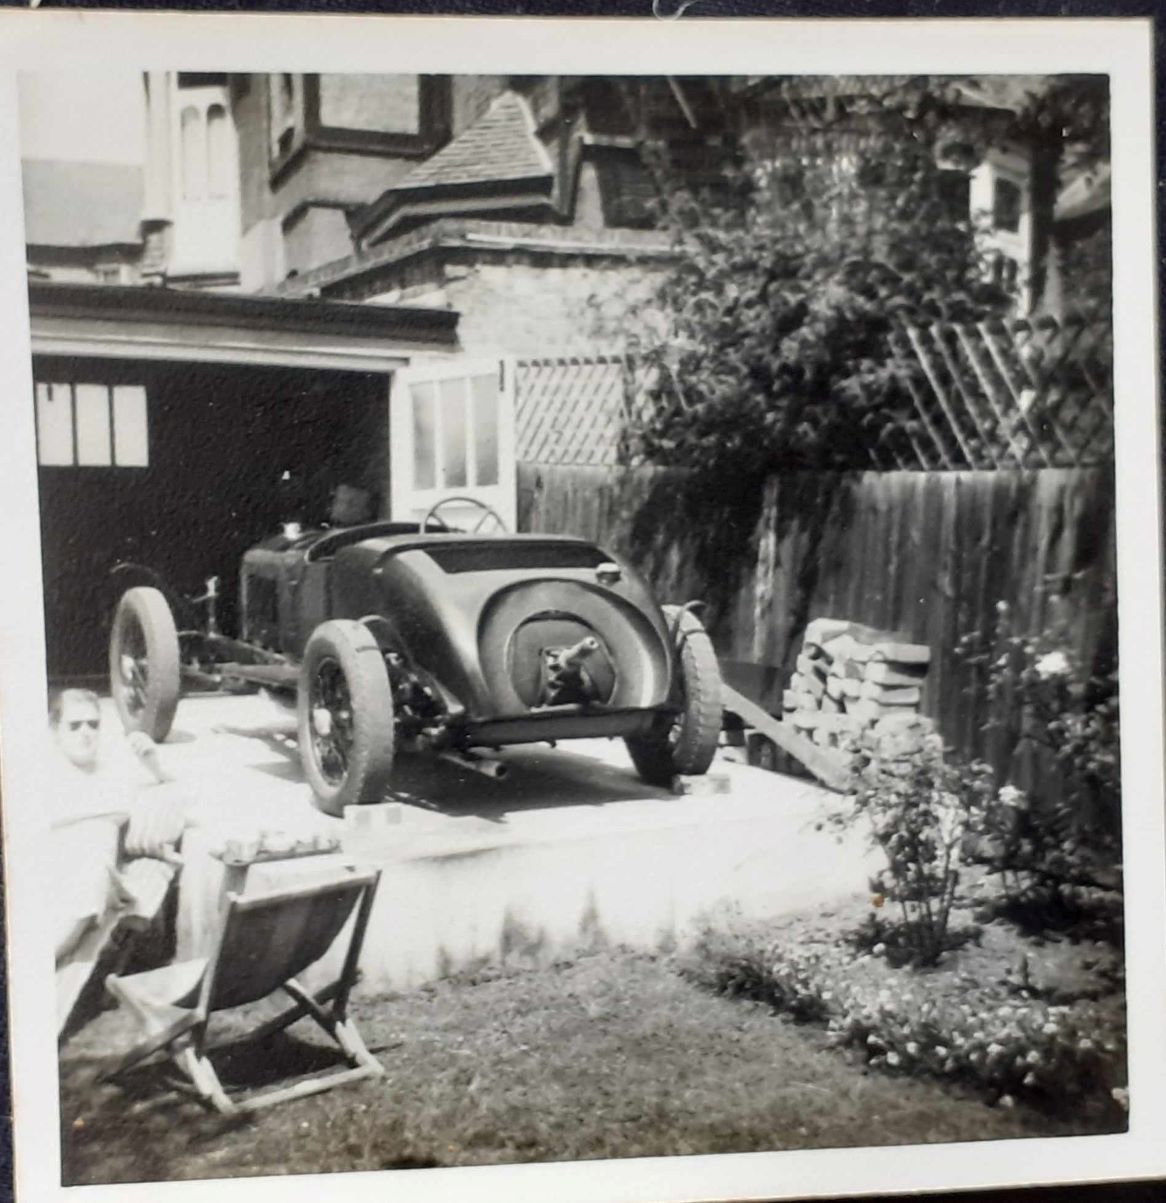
(1052, 664)
(1009, 795)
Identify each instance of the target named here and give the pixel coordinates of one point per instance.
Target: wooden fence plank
(928, 553)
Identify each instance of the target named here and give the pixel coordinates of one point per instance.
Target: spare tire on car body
(687, 745)
(345, 716)
(145, 675)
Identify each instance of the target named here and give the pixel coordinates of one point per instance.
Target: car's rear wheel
(145, 675)
(345, 716)
(687, 746)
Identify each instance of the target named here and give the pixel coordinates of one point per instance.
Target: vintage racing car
(393, 636)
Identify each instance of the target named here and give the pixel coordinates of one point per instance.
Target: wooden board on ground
(709, 783)
(826, 764)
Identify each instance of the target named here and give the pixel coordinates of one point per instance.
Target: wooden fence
(927, 554)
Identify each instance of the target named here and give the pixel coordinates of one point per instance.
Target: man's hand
(146, 750)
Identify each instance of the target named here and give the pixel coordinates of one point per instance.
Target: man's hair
(61, 698)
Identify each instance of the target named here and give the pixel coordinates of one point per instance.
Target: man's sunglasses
(78, 723)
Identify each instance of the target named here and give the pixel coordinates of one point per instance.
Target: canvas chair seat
(264, 943)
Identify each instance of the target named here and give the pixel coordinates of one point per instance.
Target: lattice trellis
(977, 396)
(571, 409)
(984, 396)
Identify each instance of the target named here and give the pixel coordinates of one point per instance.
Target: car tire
(347, 756)
(145, 675)
(685, 748)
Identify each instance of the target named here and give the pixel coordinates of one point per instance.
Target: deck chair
(264, 942)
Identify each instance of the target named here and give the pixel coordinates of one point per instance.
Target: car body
(393, 637)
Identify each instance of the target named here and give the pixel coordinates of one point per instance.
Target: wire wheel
(144, 666)
(332, 730)
(345, 716)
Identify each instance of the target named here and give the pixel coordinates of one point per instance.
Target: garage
(176, 428)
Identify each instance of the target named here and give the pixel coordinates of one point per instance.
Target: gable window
(1006, 203)
(392, 115)
(193, 154)
(218, 152)
(91, 425)
(285, 94)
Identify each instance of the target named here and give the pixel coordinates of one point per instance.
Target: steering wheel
(488, 512)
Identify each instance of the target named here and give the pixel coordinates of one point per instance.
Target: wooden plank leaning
(829, 767)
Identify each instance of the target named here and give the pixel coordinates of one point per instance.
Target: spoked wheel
(144, 666)
(345, 716)
(685, 747)
(489, 515)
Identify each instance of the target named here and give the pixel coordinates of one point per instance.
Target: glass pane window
(91, 426)
(91, 410)
(54, 424)
(484, 402)
(454, 433)
(131, 443)
(218, 149)
(424, 436)
(193, 154)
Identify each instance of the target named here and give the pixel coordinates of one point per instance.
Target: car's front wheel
(345, 716)
(145, 675)
(687, 746)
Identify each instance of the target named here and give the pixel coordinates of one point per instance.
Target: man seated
(114, 840)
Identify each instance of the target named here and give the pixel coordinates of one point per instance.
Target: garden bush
(920, 808)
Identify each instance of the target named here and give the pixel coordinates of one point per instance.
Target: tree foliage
(768, 342)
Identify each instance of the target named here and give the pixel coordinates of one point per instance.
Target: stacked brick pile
(851, 680)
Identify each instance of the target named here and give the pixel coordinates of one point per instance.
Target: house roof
(500, 145)
(70, 204)
(189, 325)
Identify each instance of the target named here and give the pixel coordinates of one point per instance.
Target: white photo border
(1121, 48)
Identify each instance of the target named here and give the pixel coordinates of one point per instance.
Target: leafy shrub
(1057, 845)
(731, 963)
(920, 808)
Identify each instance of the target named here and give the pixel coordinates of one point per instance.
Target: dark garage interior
(221, 457)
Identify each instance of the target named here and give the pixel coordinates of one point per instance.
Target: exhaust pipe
(486, 765)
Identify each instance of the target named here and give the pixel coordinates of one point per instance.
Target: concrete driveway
(570, 852)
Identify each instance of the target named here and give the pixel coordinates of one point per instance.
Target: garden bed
(1020, 1019)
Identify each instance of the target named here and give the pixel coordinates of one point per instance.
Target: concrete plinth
(570, 852)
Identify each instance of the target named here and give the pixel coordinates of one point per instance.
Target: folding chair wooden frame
(264, 942)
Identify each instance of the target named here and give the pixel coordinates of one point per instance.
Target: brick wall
(527, 307)
(519, 288)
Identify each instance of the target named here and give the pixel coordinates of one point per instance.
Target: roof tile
(500, 145)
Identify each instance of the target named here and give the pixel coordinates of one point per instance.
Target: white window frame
(408, 501)
(127, 450)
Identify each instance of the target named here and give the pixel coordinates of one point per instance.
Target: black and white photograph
(573, 617)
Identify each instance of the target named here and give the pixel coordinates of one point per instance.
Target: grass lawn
(614, 1055)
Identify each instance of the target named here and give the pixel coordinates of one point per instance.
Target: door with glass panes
(451, 435)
